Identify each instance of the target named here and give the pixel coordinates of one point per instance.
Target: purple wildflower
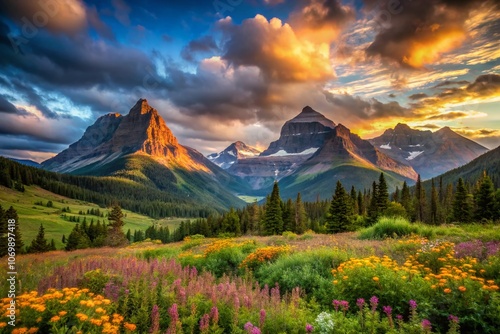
(336, 304)
(413, 304)
(155, 319)
(360, 303)
(214, 314)
(399, 317)
(344, 304)
(309, 328)
(426, 325)
(262, 317)
(453, 318)
(204, 323)
(248, 326)
(387, 310)
(374, 303)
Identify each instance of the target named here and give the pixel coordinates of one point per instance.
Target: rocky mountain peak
(309, 115)
(401, 127)
(142, 107)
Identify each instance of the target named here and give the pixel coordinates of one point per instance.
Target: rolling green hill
(31, 206)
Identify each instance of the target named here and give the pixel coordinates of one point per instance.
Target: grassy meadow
(32, 215)
(393, 277)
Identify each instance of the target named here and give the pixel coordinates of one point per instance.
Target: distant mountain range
(310, 155)
(140, 147)
(236, 151)
(429, 153)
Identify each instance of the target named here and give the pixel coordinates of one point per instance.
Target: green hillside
(471, 172)
(31, 206)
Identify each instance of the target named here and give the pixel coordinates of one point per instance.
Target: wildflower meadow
(437, 283)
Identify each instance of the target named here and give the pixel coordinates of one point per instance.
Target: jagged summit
(142, 130)
(429, 153)
(142, 107)
(309, 115)
(231, 154)
(305, 131)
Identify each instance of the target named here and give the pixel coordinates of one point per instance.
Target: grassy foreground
(428, 281)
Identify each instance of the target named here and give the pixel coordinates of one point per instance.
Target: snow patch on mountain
(283, 153)
(414, 154)
(386, 147)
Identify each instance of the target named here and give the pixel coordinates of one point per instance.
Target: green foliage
(462, 209)
(395, 227)
(94, 280)
(311, 271)
(340, 212)
(273, 219)
(40, 244)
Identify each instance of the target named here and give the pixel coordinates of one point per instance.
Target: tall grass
(396, 227)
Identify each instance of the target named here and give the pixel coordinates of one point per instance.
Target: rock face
(311, 154)
(142, 131)
(429, 153)
(305, 131)
(236, 151)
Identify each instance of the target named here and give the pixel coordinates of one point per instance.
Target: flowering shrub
(443, 283)
(263, 255)
(68, 310)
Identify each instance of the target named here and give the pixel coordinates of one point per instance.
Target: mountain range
(140, 147)
(429, 153)
(310, 155)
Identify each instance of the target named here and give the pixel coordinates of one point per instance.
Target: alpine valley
(310, 155)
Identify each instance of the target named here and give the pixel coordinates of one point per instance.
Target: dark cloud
(451, 83)
(417, 96)
(428, 126)
(416, 33)
(367, 109)
(7, 107)
(202, 45)
(485, 84)
(448, 116)
(318, 14)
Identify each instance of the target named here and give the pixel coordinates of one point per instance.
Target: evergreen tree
(39, 244)
(231, 222)
(11, 214)
(354, 201)
(382, 195)
(300, 216)
(115, 236)
(419, 201)
(289, 216)
(3, 233)
(273, 218)
(52, 245)
(461, 205)
(406, 199)
(434, 204)
(339, 217)
(485, 199)
(63, 240)
(129, 235)
(373, 212)
(77, 239)
(361, 204)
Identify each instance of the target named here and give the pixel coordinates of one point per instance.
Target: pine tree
(52, 245)
(461, 204)
(115, 236)
(273, 218)
(77, 239)
(485, 199)
(63, 240)
(361, 204)
(39, 244)
(288, 216)
(382, 195)
(3, 233)
(339, 217)
(434, 204)
(406, 199)
(354, 201)
(11, 214)
(129, 235)
(419, 201)
(373, 212)
(300, 216)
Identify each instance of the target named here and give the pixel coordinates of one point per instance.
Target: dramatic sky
(226, 70)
